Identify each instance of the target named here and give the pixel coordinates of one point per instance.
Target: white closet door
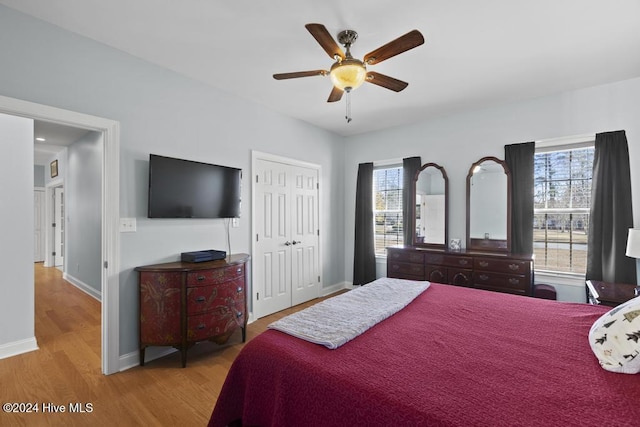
(286, 253)
(305, 274)
(272, 258)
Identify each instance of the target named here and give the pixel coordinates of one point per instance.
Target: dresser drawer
(501, 282)
(201, 299)
(458, 261)
(405, 270)
(434, 259)
(509, 266)
(222, 320)
(214, 276)
(405, 256)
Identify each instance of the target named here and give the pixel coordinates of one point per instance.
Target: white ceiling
(476, 54)
(57, 138)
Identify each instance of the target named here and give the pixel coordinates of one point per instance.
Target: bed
(453, 357)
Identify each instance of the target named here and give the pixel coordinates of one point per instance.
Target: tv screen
(187, 189)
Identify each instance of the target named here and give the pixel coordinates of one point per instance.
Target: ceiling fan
(348, 73)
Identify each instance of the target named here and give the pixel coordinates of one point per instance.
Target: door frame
(50, 218)
(256, 156)
(110, 283)
(43, 224)
(59, 226)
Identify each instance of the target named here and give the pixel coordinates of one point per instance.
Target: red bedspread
(454, 357)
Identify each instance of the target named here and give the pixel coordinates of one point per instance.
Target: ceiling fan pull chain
(348, 102)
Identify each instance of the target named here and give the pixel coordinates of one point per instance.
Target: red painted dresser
(182, 303)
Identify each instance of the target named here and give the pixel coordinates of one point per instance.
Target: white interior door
(286, 250)
(39, 225)
(272, 258)
(58, 226)
(305, 276)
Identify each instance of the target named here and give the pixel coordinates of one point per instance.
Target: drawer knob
(514, 281)
(200, 278)
(483, 263)
(514, 267)
(239, 289)
(484, 277)
(201, 326)
(201, 299)
(463, 261)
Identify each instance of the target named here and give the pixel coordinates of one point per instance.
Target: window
(562, 199)
(387, 208)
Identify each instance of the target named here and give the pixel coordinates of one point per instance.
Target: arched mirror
(489, 206)
(430, 189)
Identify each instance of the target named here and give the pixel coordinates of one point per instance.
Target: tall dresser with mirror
(487, 262)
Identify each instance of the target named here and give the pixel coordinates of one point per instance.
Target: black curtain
(519, 159)
(410, 166)
(611, 212)
(364, 257)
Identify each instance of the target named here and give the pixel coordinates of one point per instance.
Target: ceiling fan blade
(335, 95)
(386, 81)
(297, 74)
(322, 36)
(401, 44)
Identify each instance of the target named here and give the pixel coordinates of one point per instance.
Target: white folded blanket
(337, 320)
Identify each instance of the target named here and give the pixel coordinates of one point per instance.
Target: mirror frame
(446, 208)
(484, 244)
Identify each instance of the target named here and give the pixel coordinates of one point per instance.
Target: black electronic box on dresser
(182, 303)
(487, 262)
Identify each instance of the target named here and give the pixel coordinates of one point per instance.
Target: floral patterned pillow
(615, 338)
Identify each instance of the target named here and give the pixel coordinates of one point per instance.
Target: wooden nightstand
(609, 294)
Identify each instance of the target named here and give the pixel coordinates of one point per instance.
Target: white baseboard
(18, 347)
(131, 360)
(335, 288)
(83, 286)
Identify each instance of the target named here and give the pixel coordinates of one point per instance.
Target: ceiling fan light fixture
(348, 74)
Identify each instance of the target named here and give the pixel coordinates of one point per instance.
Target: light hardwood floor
(66, 369)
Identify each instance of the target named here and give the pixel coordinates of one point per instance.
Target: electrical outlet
(235, 222)
(127, 225)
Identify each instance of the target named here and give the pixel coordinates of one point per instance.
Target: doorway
(110, 130)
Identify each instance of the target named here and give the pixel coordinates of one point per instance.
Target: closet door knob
(287, 243)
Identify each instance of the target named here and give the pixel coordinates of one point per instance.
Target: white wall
(38, 176)
(83, 213)
(16, 251)
(164, 113)
(457, 141)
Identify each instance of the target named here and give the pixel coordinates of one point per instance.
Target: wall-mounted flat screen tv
(187, 189)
